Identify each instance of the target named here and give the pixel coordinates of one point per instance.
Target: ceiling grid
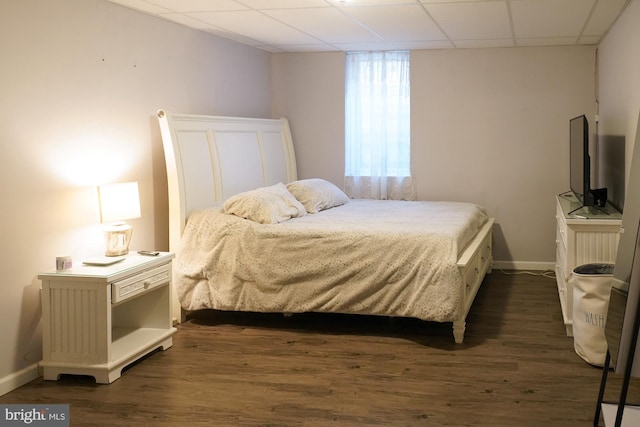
(348, 25)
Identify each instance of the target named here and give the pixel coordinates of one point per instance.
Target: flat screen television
(580, 161)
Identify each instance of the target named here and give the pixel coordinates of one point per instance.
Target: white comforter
(368, 256)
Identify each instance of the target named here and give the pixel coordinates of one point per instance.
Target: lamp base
(117, 237)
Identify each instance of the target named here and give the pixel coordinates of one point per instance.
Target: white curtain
(377, 126)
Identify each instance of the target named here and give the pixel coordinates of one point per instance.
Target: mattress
(394, 258)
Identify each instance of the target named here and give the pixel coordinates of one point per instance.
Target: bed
(250, 236)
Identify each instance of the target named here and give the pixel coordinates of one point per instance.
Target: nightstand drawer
(140, 283)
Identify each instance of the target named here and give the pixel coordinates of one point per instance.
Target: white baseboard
(18, 379)
(524, 265)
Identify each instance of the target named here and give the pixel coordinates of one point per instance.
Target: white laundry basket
(591, 289)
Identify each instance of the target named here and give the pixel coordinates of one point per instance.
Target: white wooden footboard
(474, 263)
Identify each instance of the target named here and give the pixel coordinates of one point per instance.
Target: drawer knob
(147, 283)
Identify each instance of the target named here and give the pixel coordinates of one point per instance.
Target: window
(377, 126)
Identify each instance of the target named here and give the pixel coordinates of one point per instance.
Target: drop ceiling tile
(141, 5)
(448, 1)
(603, 16)
(476, 20)
(309, 48)
(548, 41)
(203, 26)
(199, 5)
(357, 47)
(357, 3)
(271, 49)
(327, 24)
(283, 4)
(421, 45)
(188, 21)
(256, 26)
(549, 18)
(398, 23)
(478, 44)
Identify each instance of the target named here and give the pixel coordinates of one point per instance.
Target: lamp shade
(119, 202)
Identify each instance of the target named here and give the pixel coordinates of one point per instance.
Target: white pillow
(266, 205)
(316, 194)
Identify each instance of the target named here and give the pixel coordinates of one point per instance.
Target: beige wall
(488, 126)
(308, 89)
(619, 80)
(81, 82)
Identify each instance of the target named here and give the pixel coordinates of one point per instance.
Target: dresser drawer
(140, 283)
(471, 273)
(561, 261)
(561, 228)
(561, 237)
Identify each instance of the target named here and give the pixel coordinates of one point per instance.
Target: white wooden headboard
(211, 158)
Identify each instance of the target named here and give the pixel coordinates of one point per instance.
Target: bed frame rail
(474, 263)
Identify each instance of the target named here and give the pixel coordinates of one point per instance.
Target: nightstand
(96, 320)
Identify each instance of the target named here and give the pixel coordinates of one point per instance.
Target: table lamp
(118, 202)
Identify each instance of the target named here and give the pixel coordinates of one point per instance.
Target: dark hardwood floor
(516, 368)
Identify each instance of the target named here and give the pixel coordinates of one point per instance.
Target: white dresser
(584, 236)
